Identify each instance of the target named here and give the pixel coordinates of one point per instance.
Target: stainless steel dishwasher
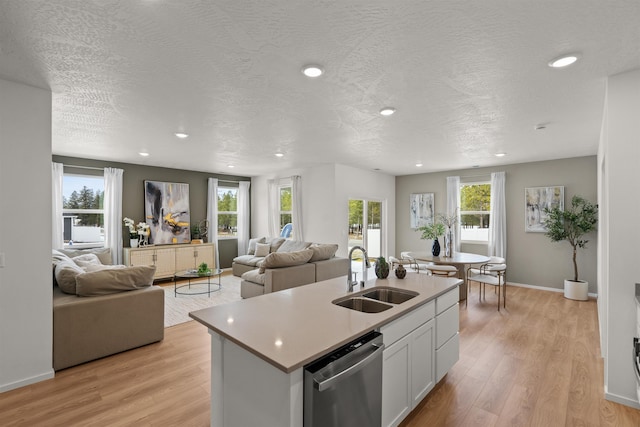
(344, 388)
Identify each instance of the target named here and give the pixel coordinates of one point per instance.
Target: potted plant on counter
(572, 225)
(432, 232)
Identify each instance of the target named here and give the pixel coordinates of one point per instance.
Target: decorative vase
(401, 272)
(382, 270)
(133, 242)
(435, 249)
(448, 244)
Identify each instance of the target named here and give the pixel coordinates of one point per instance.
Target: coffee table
(193, 275)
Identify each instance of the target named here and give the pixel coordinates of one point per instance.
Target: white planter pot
(576, 290)
(133, 243)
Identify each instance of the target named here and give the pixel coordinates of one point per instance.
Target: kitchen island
(259, 346)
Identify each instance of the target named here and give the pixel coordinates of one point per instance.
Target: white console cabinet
(171, 258)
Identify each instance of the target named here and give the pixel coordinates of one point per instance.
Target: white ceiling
(468, 79)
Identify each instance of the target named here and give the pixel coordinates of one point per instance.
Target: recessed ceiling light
(230, 166)
(312, 70)
(279, 155)
(418, 165)
(564, 60)
(387, 111)
(501, 154)
(540, 127)
(182, 135)
(143, 154)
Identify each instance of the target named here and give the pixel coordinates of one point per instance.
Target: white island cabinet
(260, 346)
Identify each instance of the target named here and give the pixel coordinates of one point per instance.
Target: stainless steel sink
(364, 305)
(393, 296)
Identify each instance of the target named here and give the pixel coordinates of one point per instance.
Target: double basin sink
(375, 300)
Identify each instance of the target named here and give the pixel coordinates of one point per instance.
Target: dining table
(458, 259)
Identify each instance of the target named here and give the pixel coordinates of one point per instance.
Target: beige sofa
(288, 264)
(109, 321)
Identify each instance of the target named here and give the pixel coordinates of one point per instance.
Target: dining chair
(408, 261)
(489, 274)
(444, 270)
(484, 268)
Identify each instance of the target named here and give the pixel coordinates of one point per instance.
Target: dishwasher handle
(325, 384)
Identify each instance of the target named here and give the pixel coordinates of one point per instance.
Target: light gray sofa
(288, 264)
(110, 321)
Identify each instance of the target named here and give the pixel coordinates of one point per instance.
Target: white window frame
(466, 184)
(67, 211)
(225, 189)
(280, 211)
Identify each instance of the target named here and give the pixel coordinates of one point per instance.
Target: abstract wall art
(166, 209)
(536, 200)
(421, 209)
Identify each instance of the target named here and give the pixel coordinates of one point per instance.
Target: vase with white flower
(133, 232)
(143, 232)
(449, 221)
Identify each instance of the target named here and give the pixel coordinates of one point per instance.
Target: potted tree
(571, 225)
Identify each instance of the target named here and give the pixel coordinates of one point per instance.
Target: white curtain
(212, 216)
(498, 216)
(244, 217)
(296, 207)
(453, 204)
(113, 212)
(273, 208)
(57, 230)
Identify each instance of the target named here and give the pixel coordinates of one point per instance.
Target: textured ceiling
(468, 79)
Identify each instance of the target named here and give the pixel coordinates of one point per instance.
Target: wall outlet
(1, 259)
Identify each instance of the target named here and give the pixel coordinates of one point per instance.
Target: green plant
(195, 231)
(203, 269)
(432, 231)
(571, 225)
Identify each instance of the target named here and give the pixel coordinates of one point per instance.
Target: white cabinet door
(422, 362)
(185, 259)
(139, 257)
(396, 382)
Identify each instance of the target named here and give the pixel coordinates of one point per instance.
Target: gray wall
(532, 258)
(133, 191)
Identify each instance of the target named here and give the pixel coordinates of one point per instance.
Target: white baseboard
(542, 288)
(27, 381)
(621, 399)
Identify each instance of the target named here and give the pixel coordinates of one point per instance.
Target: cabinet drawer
(447, 356)
(447, 325)
(395, 330)
(445, 301)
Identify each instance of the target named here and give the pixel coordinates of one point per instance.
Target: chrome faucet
(365, 264)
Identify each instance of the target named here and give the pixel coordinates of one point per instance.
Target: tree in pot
(571, 225)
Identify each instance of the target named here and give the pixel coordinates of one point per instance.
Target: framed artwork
(536, 200)
(166, 210)
(421, 209)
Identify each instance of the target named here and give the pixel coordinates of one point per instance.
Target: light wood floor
(536, 363)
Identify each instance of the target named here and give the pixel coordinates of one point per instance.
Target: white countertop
(296, 326)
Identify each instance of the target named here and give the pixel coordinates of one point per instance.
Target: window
(285, 208)
(365, 226)
(475, 203)
(83, 210)
(227, 212)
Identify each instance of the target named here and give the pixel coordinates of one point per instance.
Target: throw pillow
(322, 252)
(87, 259)
(66, 273)
(293, 245)
(275, 243)
(104, 254)
(262, 249)
(285, 259)
(105, 282)
(90, 268)
(252, 245)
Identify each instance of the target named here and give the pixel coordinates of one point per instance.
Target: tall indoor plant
(572, 225)
(432, 232)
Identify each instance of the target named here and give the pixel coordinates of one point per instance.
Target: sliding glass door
(365, 226)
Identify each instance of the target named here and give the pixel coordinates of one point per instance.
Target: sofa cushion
(293, 245)
(275, 243)
(251, 260)
(65, 274)
(112, 281)
(322, 251)
(262, 249)
(85, 260)
(252, 245)
(254, 276)
(104, 254)
(285, 259)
